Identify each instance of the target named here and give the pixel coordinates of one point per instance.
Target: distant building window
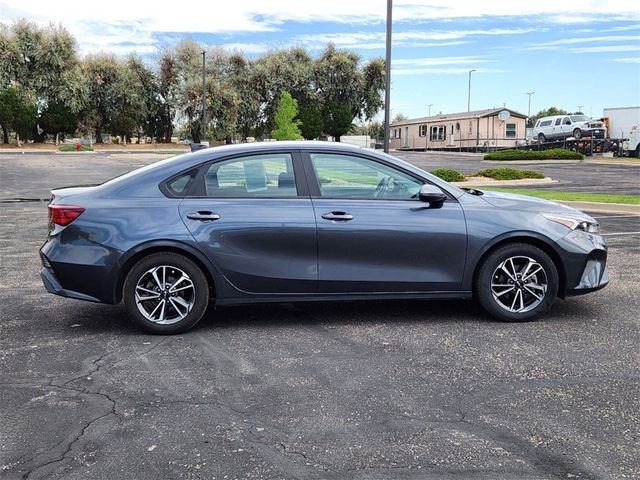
(399, 135)
(438, 133)
(423, 131)
(511, 130)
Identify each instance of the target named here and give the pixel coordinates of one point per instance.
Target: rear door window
(268, 175)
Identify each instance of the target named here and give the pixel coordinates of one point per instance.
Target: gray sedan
(306, 221)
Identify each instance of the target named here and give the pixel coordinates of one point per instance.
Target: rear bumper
(52, 285)
(79, 269)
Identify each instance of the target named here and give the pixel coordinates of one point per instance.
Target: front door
(252, 220)
(374, 235)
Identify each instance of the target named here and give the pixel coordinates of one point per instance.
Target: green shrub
(74, 148)
(448, 175)
(508, 174)
(553, 154)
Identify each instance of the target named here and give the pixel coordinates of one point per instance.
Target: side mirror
(432, 195)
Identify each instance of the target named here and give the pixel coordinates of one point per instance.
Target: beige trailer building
(495, 127)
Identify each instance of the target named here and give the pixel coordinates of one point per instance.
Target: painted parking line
(619, 216)
(619, 233)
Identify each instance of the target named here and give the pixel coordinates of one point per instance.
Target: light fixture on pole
(469, 93)
(580, 108)
(387, 78)
(529, 108)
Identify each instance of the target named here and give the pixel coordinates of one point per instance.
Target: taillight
(64, 214)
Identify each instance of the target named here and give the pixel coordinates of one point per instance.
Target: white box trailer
(624, 123)
(621, 121)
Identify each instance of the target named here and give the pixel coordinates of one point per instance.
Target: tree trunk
(5, 134)
(337, 138)
(168, 133)
(195, 135)
(99, 134)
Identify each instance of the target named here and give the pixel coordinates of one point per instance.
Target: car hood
(513, 201)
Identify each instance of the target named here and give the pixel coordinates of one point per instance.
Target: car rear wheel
(166, 293)
(542, 138)
(516, 283)
(577, 134)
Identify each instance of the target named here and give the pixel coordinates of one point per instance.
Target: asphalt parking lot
(381, 390)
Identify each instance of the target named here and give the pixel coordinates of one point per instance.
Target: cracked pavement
(380, 390)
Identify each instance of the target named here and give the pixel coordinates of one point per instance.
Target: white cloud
(430, 61)
(102, 25)
(626, 60)
(606, 48)
(558, 44)
(442, 71)
(411, 38)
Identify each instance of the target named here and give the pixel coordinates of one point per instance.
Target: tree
(400, 117)
(56, 119)
(42, 62)
(17, 113)
(281, 70)
(288, 128)
(549, 112)
(347, 90)
(337, 119)
(312, 124)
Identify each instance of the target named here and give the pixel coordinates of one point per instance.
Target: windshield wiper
(473, 191)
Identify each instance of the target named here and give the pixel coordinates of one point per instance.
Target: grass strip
(572, 196)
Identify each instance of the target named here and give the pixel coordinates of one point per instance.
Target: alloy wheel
(165, 294)
(519, 284)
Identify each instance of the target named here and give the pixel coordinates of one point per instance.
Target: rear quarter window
(180, 185)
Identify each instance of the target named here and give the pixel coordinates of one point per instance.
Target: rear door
(374, 235)
(253, 217)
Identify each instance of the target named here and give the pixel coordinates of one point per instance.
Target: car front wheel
(166, 293)
(577, 134)
(517, 282)
(541, 138)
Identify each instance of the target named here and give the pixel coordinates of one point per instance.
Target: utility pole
(529, 109)
(469, 93)
(204, 93)
(387, 78)
(430, 105)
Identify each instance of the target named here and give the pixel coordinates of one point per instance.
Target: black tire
(577, 134)
(542, 138)
(490, 274)
(184, 308)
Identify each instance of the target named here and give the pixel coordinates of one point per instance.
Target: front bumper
(585, 263)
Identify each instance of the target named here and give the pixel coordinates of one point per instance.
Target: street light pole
(469, 93)
(387, 78)
(580, 108)
(529, 109)
(430, 105)
(202, 127)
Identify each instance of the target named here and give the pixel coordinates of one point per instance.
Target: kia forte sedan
(306, 221)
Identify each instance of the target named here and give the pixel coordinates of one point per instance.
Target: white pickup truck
(559, 127)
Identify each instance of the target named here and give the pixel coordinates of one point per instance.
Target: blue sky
(571, 53)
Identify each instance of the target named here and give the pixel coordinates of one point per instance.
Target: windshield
(579, 118)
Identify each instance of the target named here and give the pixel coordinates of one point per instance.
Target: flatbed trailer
(586, 146)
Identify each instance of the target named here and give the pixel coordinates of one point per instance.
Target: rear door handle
(338, 216)
(203, 216)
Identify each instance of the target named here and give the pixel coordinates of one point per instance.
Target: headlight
(574, 223)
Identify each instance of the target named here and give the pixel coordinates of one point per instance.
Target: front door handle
(203, 216)
(338, 216)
